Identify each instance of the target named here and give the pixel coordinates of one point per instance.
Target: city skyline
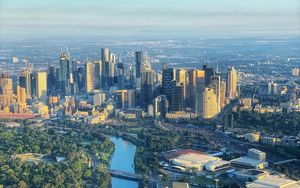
(150, 18)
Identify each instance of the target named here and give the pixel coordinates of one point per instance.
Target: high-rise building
(112, 67)
(89, 77)
(231, 85)
(121, 76)
(107, 67)
(168, 75)
(223, 94)
(200, 85)
(125, 99)
(210, 108)
(181, 77)
(65, 73)
(74, 65)
(41, 85)
(25, 81)
(81, 79)
(147, 89)
(208, 74)
(191, 89)
(160, 105)
(139, 60)
(21, 105)
(105, 55)
(98, 74)
(51, 82)
(6, 90)
(177, 97)
(216, 86)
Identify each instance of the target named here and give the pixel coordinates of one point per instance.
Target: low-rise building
(255, 159)
(252, 137)
(273, 181)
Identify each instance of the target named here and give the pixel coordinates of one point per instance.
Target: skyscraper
(200, 85)
(216, 86)
(139, 60)
(51, 82)
(191, 89)
(6, 90)
(231, 85)
(89, 77)
(209, 103)
(168, 75)
(121, 76)
(124, 98)
(160, 105)
(208, 74)
(41, 85)
(25, 81)
(223, 94)
(65, 73)
(181, 77)
(98, 74)
(147, 79)
(177, 97)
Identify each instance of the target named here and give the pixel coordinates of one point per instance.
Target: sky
(176, 18)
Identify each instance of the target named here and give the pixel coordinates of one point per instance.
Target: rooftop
(273, 181)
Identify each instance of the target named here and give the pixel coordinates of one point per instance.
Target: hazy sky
(200, 18)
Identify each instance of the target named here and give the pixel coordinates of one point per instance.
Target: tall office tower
(112, 63)
(168, 75)
(25, 81)
(177, 97)
(20, 106)
(105, 59)
(223, 94)
(89, 77)
(23, 96)
(105, 55)
(65, 73)
(51, 79)
(98, 74)
(74, 65)
(216, 86)
(131, 76)
(272, 88)
(41, 85)
(18, 93)
(147, 89)
(210, 108)
(121, 77)
(6, 90)
(191, 89)
(139, 60)
(33, 85)
(160, 104)
(208, 74)
(81, 79)
(200, 85)
(181, 77)
(231, 85)
(124, 98)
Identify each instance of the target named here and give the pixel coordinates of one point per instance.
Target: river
(123, 159)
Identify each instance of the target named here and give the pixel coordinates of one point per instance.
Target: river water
(123, 159)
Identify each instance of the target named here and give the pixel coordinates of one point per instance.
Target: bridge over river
(127, 175)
